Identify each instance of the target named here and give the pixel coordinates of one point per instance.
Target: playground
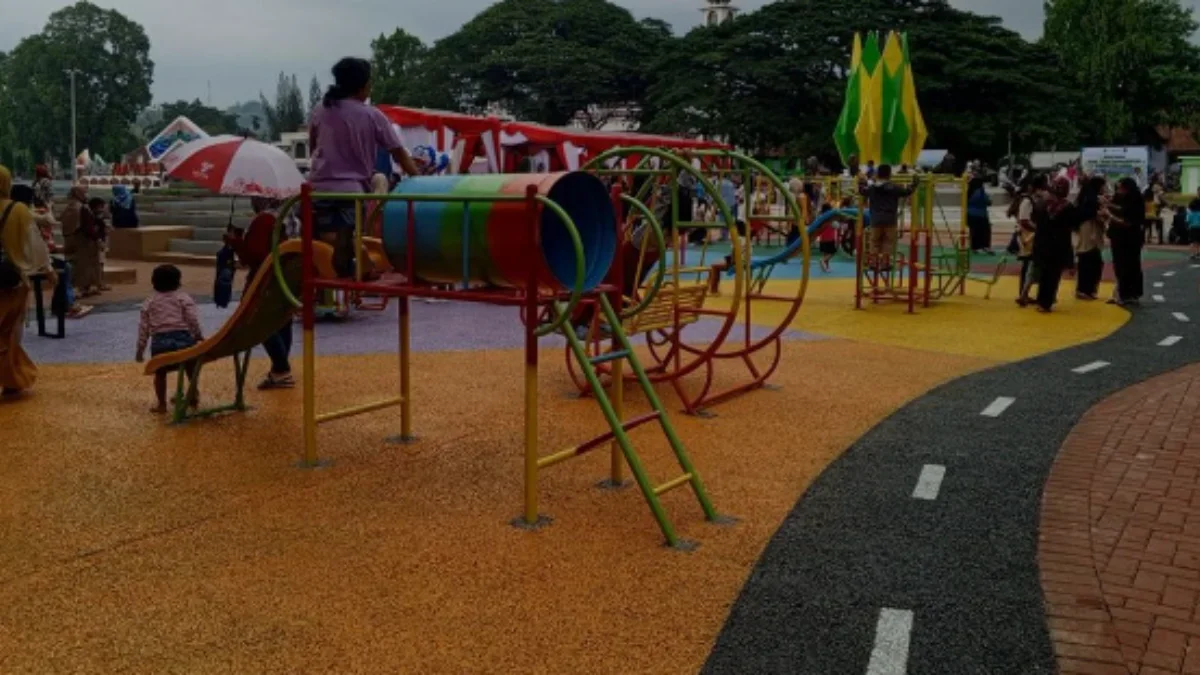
(557, 420)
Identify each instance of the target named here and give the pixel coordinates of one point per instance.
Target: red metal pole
(858, 257)
(913, 249)
(928, 263)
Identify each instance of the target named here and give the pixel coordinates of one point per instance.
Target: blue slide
(813, 228)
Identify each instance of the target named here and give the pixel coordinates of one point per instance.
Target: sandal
(273, 381)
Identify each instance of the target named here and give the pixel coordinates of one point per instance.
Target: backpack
(223, 284)
(10, 276)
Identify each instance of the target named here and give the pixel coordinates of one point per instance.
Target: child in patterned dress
(169, 324)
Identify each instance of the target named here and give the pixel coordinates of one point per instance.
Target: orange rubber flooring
(130, 546)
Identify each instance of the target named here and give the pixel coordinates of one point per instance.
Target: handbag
(10, 275)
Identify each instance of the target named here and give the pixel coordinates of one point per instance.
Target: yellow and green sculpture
(881, 120)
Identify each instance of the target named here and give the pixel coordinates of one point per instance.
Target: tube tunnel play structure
(540, 243)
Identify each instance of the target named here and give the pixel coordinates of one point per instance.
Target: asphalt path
(865, 577)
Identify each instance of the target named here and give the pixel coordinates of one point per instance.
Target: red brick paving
(1119, 546)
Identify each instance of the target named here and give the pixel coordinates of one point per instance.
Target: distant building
(295, 144)
(717, 12)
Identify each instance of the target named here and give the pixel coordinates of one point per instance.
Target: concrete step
(194, 247)
(120, 275)
(181, 258)
(154, 218)
(208, 233)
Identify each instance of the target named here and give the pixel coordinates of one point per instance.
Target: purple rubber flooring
(111, 336)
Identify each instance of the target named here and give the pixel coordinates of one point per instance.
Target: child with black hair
(99, 209)
(169, 324)
(827, 239)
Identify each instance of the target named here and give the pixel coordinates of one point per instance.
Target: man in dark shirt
(883, 198)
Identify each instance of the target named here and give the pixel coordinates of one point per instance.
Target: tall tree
(1134, 59)
(287, 114)
(314, 94)
(110, 56)
(400, 72)
(549, 60)
(774, 80)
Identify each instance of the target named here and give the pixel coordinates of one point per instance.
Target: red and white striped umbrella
(232, 165)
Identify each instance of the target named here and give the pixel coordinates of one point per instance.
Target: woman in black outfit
(1056, 218)
(1125, 233)
(1090, 249)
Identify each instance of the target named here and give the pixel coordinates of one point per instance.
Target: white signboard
(1117, 163)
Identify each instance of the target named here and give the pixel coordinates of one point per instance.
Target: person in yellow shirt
(19, 255)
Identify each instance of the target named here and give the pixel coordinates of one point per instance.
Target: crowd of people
(29, 230)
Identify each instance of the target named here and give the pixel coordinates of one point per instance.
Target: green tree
(775, 79)
(314, 94)
(548, 60)
(1134, 59)
(287, 114)
(212, 120)
(400, 72)
(110, 56)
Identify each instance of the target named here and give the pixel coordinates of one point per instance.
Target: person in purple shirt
(345, 133)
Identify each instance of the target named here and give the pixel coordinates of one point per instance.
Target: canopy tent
(462, 137)
(487, 144)
(561, 148)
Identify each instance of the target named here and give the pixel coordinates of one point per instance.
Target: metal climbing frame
(531, 299)
(933, 269)
(678, 295)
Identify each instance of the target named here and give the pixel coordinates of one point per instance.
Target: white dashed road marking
(1180, 316)
(892, 634)
(1170, 341)
(1091, 367)
(1168, 274)
(996, 408)
(1159, 284)
(930, 482)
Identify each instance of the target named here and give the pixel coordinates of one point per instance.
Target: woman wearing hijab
(42, 235)
(1052, 253)
(978, 219)
(1127, 219)
(81, 242)
(1089, 249)
(43, 187)
(123, 207)
(21, 253)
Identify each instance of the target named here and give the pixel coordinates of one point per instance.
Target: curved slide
(262, 312)
(794, 248)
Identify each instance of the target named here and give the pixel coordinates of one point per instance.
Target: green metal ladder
(620, 428)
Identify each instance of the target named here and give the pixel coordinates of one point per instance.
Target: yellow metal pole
(531, 370)
(358, 410)
(406, 432)
(310, 398)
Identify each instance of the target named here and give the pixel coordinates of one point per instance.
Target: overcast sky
(239, 46)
